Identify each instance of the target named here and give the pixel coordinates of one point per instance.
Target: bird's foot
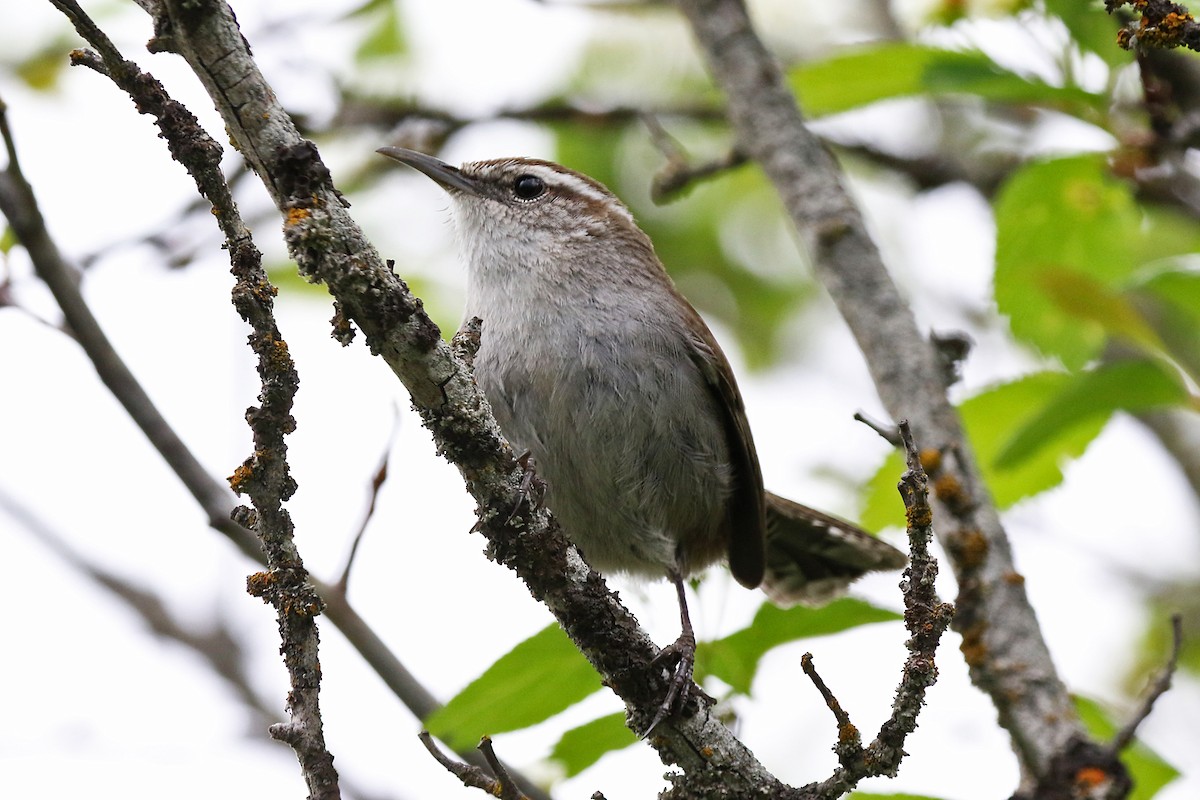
(680, 658)
(532, 488)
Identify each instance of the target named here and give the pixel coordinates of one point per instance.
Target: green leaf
(537, 679)
(1170, 301)
(41, 69)
(1092, 28)
(857, 78)
(989, 419)
(1095, 394)
(581, 747)
(735, 658)
(1057, 223)
(1148, 769)
(882, 505)
(385, 34)
(8, 240)
(1084, 298)
(1070, 240)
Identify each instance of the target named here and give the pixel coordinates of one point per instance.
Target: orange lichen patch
(970, 548)
(950, 491)
(1014, 578)
(263, 291)
(1090, 777)
(260, 583)
(280, 358)
(1174, 22)
(307, 608)
(931, 459)
(296, 215)
(972, 647)
(707, 752)
(239, 477)
(848, 734)
(919, 516)
(1168, 30)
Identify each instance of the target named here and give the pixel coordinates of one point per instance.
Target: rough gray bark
(1002, 641)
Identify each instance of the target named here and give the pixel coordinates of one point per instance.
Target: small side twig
(467, 339)
(502, 785)
(849, 741)
(1096, 766)
(679, 173)
(887, 432)
(377, 481)
(1158, 687)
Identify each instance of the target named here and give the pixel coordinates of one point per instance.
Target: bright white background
(93, 704)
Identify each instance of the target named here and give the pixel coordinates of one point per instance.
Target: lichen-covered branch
(1002, 641)
(1160, 23)
(265, 476)
(926, 619)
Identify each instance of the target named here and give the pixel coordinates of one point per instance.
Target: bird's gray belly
(634, 457)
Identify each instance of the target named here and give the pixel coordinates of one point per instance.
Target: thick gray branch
(1001, 638)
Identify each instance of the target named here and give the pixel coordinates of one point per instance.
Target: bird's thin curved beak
(448, 177)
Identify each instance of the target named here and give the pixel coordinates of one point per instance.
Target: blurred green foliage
(545, 675)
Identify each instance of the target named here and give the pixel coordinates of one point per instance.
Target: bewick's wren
(594, 363)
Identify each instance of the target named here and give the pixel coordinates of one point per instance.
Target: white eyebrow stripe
(580, 186)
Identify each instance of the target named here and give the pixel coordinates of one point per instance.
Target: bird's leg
(682, 653)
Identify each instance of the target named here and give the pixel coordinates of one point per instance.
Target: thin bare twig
(679, 173)
(19, 204)
(265, 476)
(888, 432)
(500, 786)
(849, 740)
(377, 481)
(1158, 687)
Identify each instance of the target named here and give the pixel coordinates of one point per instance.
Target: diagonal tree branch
(328, 246)
(1002, 641)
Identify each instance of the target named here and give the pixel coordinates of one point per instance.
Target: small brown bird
(596, 365)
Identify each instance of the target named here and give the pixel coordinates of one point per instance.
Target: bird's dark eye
(528, 187)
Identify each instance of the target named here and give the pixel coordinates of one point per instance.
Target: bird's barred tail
(813, 557)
